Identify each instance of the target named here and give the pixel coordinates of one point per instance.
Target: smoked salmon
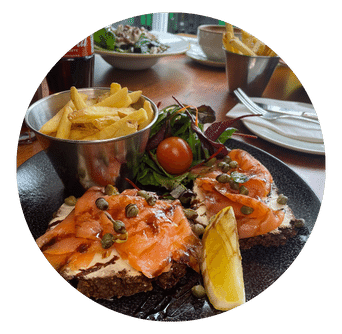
(156, 237)
(245, 185)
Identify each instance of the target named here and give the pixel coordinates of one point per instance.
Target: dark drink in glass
(75, 68)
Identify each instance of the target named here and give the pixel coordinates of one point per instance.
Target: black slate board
(41, 192)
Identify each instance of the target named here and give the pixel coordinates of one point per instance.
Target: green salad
(188, 124)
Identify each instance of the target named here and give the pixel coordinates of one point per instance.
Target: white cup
(210, 40)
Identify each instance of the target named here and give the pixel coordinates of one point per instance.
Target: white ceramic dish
(136, 61)
(195, 53)
(286, 142)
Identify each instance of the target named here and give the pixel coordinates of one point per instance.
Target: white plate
(195, 53)
(278, 139)
(138, 61)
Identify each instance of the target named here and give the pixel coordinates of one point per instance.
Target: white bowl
(138, 61)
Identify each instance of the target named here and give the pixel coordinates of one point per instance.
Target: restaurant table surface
(196, 84)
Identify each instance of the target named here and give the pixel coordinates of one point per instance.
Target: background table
(195, 84)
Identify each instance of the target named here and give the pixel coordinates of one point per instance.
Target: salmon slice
(158, 236)
(57, 261)
(67, 245)
(259, 179)
(65, 228)
(261, 221)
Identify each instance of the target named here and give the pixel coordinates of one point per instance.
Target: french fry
(52, 125)
(119, 99)
(64, 126)
(123, 112)
(242, 47)
(101, 123)
(135, 96)
(109, 115)
(259, 48)
(248, 39)
(149, 111)
(248, 45)
(139, 116)
(114, 87)
(90, 113)
(80, 133)
(77, 99)
(126, 129)
(229, 29)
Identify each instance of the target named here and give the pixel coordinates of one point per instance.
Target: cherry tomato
(174, 155)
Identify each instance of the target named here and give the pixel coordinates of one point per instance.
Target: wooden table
(196, 84)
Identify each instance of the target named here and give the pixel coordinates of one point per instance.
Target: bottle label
(82, 49)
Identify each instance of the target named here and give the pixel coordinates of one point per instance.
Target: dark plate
(42, 192)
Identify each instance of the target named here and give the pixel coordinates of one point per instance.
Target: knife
(274, 108)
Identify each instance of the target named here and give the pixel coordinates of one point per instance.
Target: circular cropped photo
(165, 167)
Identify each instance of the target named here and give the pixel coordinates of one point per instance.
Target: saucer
(195, 53)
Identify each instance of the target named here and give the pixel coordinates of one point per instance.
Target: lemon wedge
(221, 265)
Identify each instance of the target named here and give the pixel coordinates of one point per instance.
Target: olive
(198, 229)
(107, 240)
(246, 210)
(211, 162)
(190, 214)
(101, 204)
(243, 190)
(282, 199)
(227, 159)
(119, 226)
(223, 178)
(234, 185)
(131, 210)
(111, 190)
(71, 201)
(233, 164)
(198, 291)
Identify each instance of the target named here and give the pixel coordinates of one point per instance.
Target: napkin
(289, 127)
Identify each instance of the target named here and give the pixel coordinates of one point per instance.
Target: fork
(255, 109)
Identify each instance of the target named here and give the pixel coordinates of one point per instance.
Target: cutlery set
(272, 112)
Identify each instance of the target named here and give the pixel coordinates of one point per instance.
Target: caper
(225, 168)
(211, 162)
(234, 185)
(111, 190)
(102, 204)
(151, 200)
(299, 223)
(233, 164)
(131, 210)
(143, 193)
(243, 190)
(221, 164)
(119, 226)
(198, 229)
(227, 159)
(282, 199)
(246, 210)
(107, 240)
(190, 214)
(71, 201)
(223, 178)
(198, 291)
